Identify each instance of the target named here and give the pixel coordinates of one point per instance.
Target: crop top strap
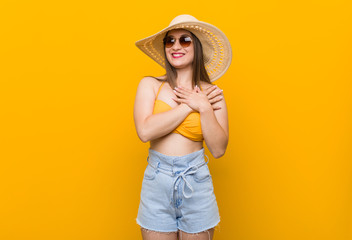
(159, 90)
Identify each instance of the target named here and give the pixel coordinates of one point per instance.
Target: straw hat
(216, 47)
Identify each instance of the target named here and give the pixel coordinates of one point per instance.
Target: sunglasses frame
(183, 43)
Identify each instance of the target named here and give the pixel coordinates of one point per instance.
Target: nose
(176, 45)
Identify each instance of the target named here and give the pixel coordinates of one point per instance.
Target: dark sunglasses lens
(185, 41)
(169, 41)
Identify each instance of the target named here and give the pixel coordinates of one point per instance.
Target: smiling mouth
(177, 55)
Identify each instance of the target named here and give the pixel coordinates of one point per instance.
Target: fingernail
(175, 88)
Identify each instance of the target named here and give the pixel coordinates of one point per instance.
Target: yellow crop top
(189, 128)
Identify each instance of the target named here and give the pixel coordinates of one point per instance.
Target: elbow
(143, 136)
(143, 139)
(146, 135)
(219, 153)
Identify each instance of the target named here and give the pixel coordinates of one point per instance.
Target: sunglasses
(185, 41)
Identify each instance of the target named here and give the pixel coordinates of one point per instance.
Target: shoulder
(149, 83)
(204, 85)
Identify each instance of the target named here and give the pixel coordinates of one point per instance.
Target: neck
(184, 77)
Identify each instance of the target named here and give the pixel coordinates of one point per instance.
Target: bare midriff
(175, 144)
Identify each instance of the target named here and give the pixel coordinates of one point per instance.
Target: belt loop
(152, 165)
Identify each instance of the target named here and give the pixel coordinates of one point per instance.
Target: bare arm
(215, 128)
(151, 126)
(214, 123)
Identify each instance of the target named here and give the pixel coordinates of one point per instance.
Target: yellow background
(72, 164)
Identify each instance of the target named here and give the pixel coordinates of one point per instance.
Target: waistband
(178, 167)
(172, 163)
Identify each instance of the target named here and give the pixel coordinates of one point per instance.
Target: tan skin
(157, 128)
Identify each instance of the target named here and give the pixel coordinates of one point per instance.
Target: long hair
(199, 72)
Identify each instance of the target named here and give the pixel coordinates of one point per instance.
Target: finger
(197, 89)
(215, 93)
(183, 90)
(180, 94)
(210, 89)
(179, 100)
(216, 107)
(216, 99)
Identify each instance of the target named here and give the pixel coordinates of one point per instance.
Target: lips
(177, 55)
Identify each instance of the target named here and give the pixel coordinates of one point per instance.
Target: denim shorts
(177, 193)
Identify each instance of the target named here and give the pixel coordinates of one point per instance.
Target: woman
(176, 113)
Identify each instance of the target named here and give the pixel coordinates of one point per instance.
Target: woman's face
(178, 56)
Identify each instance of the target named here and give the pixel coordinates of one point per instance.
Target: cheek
(191, 56)
(168, 56)
(191, 53)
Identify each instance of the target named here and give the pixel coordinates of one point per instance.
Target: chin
(180, 65)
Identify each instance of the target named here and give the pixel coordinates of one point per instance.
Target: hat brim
(217, 50)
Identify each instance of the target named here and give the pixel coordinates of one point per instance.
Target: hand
(214, 94)
(195, 99)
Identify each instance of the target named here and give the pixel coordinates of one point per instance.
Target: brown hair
(199, 72)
